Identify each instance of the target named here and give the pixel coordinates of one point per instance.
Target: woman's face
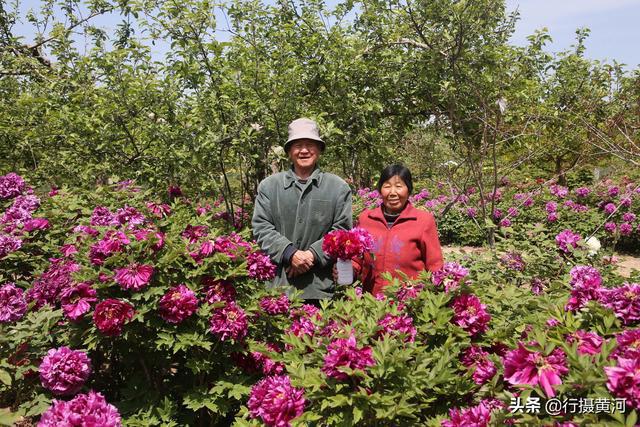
(395, 194)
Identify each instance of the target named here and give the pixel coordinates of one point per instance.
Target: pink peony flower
(470, 314)
(624, 301)
(524, 366)
(36, 224)
(260, 267)
(12, 303)
(407, 291)
(582, 191)
(628, 344)
(586, 283)
(450, 275)
(217, 290)
(344, 353)
(275, 305)
(102, 216)
(134, 277)
(110, 316)
(589, 343)
(64, 371)
(610, 227)
(178, 303)
(347, 244)
(275, 401)
(477, 359)
(48, 288)
(567, 240)
(476, 416)
(8, 244)
(624, 380)
(609, 208)
(11, 185)
(393, 326)
(626, 229)
(229, 322)
(89, 409)
(112, 242)
(77, 300)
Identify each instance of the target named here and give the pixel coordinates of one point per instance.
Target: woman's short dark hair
(393, 170)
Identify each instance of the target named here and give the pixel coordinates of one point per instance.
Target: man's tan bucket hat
(303, 128)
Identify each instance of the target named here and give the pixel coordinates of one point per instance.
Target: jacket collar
(290, 177)
(408, 213)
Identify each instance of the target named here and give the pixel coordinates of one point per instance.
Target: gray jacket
(287, 212)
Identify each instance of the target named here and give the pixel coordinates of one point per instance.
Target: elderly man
(295, 209)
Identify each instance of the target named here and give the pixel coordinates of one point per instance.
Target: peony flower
(275, 305)
(589, 343)
(102, 216)
(229, 322)
(49, 287)
(77, 300)
(609, 208)
(524, 366)
(624, 380)
(552, 217)
(344, 353)
(586, 283)
(610, 227)
(393, 326)
(11, 185)
(36, 224)
(476, 416)
(624, 301)
(409, 290)
(130, 216)
(12, 303)
(593, 245)
(218, 290)
(513, 261)
(347, 244)
(512, 212)
(89, 409)
(194, 233)
(613, 191)
(582, 191)
(551, 207)
(302, 323)
(628, 345)
(134, 277)
(477, 359)
(110, 316)
(64, 371)
(505, 222)
(451, 274)
(8, 244)
(629, 217)
(260, 267)
(275, 401)
(626, 229)
(174, 191)
(472, 212)
(567, 240)
(178, 303)
(470, 314)
(111, 243)
(159, 210)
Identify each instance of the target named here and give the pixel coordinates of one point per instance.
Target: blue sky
(614, 24)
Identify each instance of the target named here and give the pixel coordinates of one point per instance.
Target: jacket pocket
(321, 213)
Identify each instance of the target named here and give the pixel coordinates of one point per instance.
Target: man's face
(304, 153)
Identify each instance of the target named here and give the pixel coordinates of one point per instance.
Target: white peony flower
(593, 245)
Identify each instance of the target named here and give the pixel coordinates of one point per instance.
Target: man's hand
(301, 262)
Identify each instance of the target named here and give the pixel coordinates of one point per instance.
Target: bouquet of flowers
(344, 245)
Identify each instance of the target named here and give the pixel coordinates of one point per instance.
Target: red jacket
(410, 245)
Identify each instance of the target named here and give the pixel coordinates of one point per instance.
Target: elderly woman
(406, 238)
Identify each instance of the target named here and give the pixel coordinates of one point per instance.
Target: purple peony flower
(12, 303)
(626, 229)
(586, 282)
(552, 217)
(260, 267)
(275, 401)
(275, 305)
(11, 185)
(36, 224)
(112, 242)
(512, 212)
(130, 216)
(476, 416)
(624, 301)
(102, 216)
(64, 371)
(609, 208)
(393, 326)
(8, 244)
(551, 207)
(589, 343)
(110, 316)
(513, 261)
(582, 191)
(628, 344)
(89, 409)
(472, 212)
(410, 290)
(229, 322)
(134, 277)
(49, 287)
(344, 353)
(477, 359)
(567, 240)
(505, 222)
(76, 300)
(524, 366)
(303, 320)
(451, 274)
(624, 380)
(629, 217)
(178, 303)
(470, 314)
(613, 191)
(218, 290)
(610, 227)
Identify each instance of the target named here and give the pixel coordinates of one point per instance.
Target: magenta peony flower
(552, 217)
(110, 316)
(586, 283)
(12, 303)
(64, 371)
(68, 250)
(588, 342)
(624, 301)
(344, 353)
(130, 216)
(551, 207)
(613, 191)
(450, 275)
(36, 224)
(409, 290)
(513, 212)
(8, 244)
(89, 409)
(159, 210)
(513, 261)
(582, 191)
(524, 366)
(610, 227)
(275, 401)
(218, 290)
(626, 229)
(609, 208)
(77, 300)
(48, 288)
(624, 380)
(628, 345)
(193, 233)
(21, 210)
(111, 243)
(629, 217)
(11, 185)
(275, 305)
(178, 303)
(229, 322)
(395, 325)
(134, 277)
(478, 360)
(260, 267)
(559, 191)
(347, 244)
(476, 416)
(472, 212)
(505, 222)
(567, 240)
(174, 191)
(497, 213)
(233, 245)
(470, 314)
(102, 216)
(303, 320)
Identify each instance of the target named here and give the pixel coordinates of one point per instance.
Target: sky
(614, 25)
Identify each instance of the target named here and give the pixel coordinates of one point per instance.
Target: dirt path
(626, 263)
